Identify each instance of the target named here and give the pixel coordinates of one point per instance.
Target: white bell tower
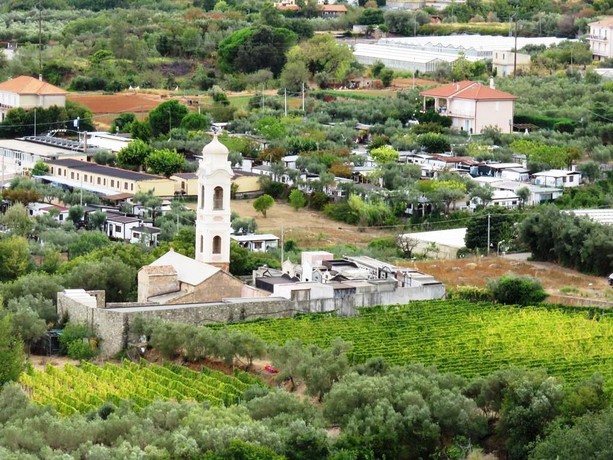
(213, 213)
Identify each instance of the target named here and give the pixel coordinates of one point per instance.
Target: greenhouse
(425, 54)
(399, 58)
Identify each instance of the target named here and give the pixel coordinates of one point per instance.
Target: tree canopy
(254, 48)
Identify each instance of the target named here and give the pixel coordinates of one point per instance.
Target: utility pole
(303, 97)
(262, 96)
(285, 93)
(515, 53)
(40, 39)
(34, 121)
(489, 216)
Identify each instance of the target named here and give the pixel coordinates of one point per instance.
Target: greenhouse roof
(475, 42)
(404, 54)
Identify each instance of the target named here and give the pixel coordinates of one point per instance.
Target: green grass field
(466, 338)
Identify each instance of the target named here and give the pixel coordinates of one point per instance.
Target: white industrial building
(602, 216)
(470, 45)
(399, 58)
(425, 54)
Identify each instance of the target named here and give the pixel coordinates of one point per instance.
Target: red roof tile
(608, 21)
(29, 85)
(333, 8)
(287, 7)
(468, 90)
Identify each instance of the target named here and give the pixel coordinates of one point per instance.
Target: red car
(269, 368)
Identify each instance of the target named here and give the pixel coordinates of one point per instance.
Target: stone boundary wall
(578, 301)
(112, 323)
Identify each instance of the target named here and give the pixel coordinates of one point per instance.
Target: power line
(2, 125)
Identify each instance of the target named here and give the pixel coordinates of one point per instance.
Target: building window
(52, 170)
(136, 235)
(84, 177)
(217, 245)
(125, 186)
(98, 181)
(118, 228)
(202, 197)
(104, 181)
(131, 187)
(218, 198)
(71, 174)
(112, 182)
(201, 244)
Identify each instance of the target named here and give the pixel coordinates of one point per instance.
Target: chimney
(492, 83)
(40, 76)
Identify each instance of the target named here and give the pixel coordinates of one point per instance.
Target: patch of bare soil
(309, 228)
(409, 82)
(476, 271)
(117, 103)
(39, 363)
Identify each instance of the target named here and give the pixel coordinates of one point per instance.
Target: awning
(118, 196)
(78, 184)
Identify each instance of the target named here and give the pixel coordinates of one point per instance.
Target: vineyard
(86, 387)
(466, 338)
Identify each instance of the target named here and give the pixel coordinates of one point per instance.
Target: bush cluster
(77, 341)
(517, 290)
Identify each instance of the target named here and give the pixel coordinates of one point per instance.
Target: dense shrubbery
(78, 341)
(470, 293)
(575, 242)
(357, 212)
(543, 121)
(517, 290)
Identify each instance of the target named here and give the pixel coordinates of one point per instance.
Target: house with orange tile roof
(473, 106)
(600, 36)
(328, 11)
(27, 92)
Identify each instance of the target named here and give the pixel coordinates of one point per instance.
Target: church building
(174, 278)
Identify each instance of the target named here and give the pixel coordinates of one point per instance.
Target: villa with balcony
(599, 38)
(472, 106)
